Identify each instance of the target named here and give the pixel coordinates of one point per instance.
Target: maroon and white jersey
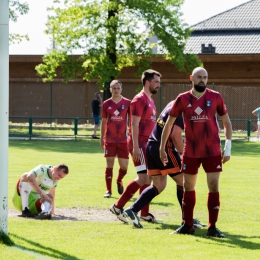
(117, 115)
(142, 106)
(200, 122)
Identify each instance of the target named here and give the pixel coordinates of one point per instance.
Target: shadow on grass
(5, 239)
(66, 146)
(164, 204)
(231, 240)
(42, 250)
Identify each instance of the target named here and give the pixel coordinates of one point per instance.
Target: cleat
(26, 213)
(184, 229)
(95, 137)
(198, 224)
(151, 218)
(134, 219)
(44, 215)
(120, 187)
(119, 213)
(214, 232)
(107, 194)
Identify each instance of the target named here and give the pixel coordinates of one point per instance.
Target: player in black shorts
(157, 170)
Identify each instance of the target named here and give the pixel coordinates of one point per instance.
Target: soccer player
(96, 104)
(35, 190)
(142, 121)
(199, 108)
(157, 170)
(115, 116)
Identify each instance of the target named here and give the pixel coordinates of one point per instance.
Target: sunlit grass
(84, 187)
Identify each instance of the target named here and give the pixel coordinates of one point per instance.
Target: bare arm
(177, 138)
(31, 179)
(254, 113)
(228, 134)
(135, 134)
(52, 192)
(165, 134)
(103, 128)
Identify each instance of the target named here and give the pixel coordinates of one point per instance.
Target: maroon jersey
(142, 106)
(200, 122)
(117, 115)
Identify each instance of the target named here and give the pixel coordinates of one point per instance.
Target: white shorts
(258, 122)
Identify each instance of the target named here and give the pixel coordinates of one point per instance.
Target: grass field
(108, 238)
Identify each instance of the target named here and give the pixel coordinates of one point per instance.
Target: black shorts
(155, 165)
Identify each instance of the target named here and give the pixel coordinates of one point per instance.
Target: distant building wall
(237, 79)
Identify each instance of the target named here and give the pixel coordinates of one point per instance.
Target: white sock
(46, 207)
(25, 190)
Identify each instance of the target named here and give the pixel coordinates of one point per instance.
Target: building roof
(235, 31)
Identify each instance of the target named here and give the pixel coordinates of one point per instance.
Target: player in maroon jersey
(142, 121)
(199, 108)
(115, 116)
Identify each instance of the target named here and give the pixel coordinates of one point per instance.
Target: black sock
(180, 194)
(146, 196)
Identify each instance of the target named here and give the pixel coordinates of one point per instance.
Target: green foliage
(16, 8)
(112, 35)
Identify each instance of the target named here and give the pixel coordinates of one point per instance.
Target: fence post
(76, 126)
(30, 127)
(248, 129)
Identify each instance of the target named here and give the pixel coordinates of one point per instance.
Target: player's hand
(163, 157)
(102, 143)
(136, 154)
(45, 197)
(225, 158)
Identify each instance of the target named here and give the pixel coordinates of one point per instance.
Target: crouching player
(35, 190)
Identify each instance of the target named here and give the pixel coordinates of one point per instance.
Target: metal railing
(77, 126)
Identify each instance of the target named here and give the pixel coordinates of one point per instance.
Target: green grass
(84, 187)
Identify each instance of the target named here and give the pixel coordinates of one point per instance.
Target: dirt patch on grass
(75, 214)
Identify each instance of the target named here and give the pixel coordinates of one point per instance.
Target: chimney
(208, 50)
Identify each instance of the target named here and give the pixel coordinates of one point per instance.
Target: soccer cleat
(107, 194)
(134, 219)
(120, 187)
(44, 215)
(26, 213)
(214, 232)
(151, 218)
(184, 229)
(198, 224)
(119, 213)
(95, 137)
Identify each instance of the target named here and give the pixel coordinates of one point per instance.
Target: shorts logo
(208, 103)
(184, 167)
(106, 152)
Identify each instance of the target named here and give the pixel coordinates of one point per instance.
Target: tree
(113, 34)
(16, 7)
